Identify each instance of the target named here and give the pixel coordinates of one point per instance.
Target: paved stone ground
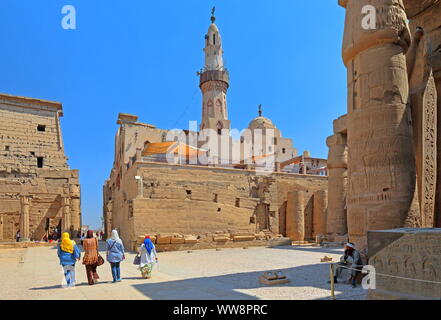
(230, 274)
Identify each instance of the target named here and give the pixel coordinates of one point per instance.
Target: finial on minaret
(260, 110)
(213, 18)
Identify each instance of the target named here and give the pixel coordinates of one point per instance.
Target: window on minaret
(219, 128)
(214, 39)
(210, 108)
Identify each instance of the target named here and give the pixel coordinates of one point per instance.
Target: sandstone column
(437, 76)
(1, 227)
(75, 208)
(336, 222)
(381, 164)
(66, 223)
(319, 214)
(295, 216)
(24, 218)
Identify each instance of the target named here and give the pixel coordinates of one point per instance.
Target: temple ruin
(38, 191)
(384, 154)
(189, 193)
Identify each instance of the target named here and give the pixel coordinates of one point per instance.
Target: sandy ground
(229, 274)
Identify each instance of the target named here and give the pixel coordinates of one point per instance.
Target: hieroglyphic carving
(423, 100)
(415, 255)
(429, 154)
(381, 158)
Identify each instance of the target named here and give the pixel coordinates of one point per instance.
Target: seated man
(351, 259)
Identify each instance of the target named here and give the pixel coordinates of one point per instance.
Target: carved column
(295, 216)
(66, 218)
(424, 119)
(1, 227)
(320, 212)
(381, 164)
(438, 188)
(24, 218)
(75, 209)
(336, 223)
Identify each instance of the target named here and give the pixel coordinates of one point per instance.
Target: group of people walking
(69, 253)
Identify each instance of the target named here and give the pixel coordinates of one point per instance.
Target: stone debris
(273, 278)
(326, 259)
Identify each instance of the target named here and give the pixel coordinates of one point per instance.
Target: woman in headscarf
(68, 253)
(115, 254)
(148, 255)
(90, 260)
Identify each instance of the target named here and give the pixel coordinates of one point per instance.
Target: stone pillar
(24, 218)
(320, 211)
(75, 209)
(381, 163)
(437, 218)
(295, 216)
(1, 227)
(336, 222)
(66, 218)
(108, 221)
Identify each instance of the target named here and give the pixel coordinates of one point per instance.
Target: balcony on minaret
(215, 75)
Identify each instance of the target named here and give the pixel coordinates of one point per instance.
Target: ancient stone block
(177, 240)
(164, 239)
(190, 239)
(244, 238)
(406, 253)
(221, 238)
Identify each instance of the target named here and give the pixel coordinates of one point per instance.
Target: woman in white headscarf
(115, 254)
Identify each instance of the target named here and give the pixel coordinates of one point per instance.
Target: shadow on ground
(227, 287)
(311, 249)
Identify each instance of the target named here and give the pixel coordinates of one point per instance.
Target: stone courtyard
(180, 275)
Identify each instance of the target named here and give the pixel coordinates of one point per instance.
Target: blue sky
(141, 57)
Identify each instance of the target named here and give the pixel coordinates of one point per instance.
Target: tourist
(17, 236)
(351, 259)
(147, 252)
(115, 254)
(68, 253)
(91, 257)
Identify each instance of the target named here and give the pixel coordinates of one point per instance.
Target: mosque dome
(261, 122)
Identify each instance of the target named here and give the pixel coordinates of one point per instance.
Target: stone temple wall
(208, 204)
(37, 188)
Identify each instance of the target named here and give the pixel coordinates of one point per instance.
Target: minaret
(214, 82)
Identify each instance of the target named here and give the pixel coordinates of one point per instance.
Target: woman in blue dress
(115, 254)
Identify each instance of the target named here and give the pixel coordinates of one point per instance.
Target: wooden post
(331, 273)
